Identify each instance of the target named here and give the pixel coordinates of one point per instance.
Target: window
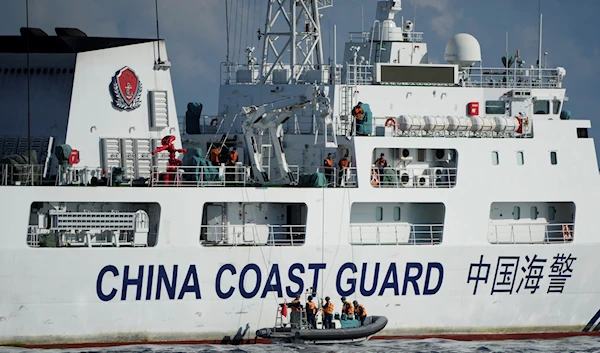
(534, 213)
(495, 107)
(396, 214)
(495, 159)
(520, 158)
(551, 213)
(553, 157)
(582, 133)
(541, 107)
(379, 213)
(421, 155)
(516, 213)
(556, 106)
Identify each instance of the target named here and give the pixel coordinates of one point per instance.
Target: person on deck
(347, 308)
(343, 165)
(214, 156)
(296, 307)
(328, 164)
(357, 114)
(327, 313)
(232, 158)
(360, 312)
(311, 313)
(381, 163)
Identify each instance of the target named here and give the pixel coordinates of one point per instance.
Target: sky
(195, 34)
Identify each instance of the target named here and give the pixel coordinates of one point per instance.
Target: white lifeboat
(506, 124)
(459, 123)
(410, 123)
(482, 124)
(435, 123)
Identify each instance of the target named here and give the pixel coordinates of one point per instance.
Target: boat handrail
(531, 233)
(253, 234)
(413, 177)
(396, 234)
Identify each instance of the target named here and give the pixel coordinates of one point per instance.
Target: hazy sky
(195, 34)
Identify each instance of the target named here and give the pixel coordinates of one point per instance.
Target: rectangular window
(520, 158)
(516, 213)
(556, 106)
(495, 107)
(421, 155)
(495, 159)
(534, 213)
(582, 133)
(541, 107)
(553, 157)
(379, 214)
(551, 213)
(396, 214)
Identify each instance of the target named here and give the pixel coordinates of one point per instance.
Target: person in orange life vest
(343, 165)
(327, 313)
(347, 308)
(357, 113)
(381, 163)
(214, 155)
(232, 158)
(296, 308)
(360, 312)
(328, 164)
(311, 312)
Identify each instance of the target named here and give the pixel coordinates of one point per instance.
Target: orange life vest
(361, 311)
(297, 307)
(328, 308)
(344, 163)
(233, 156)
(328, 162)
(214, 154)
(381, 161)
(358, 112)
(348, 308)
(311, 308)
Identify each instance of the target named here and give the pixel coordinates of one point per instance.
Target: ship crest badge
(126, 89)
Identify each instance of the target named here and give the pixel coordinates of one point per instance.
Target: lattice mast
(299, 22)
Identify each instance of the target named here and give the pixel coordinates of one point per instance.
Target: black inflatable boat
(372, 325)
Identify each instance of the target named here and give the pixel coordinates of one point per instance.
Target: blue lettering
(243, 291)
(316, 267)
(273, 287)
(194, 287)
(363, 279)
(163, 278)
(136, 282)
(220, 293)
(109, 268)
(440, 268)
(149, 285)
(295, 279)
(412, 279)
(350, 281)
(392, 274)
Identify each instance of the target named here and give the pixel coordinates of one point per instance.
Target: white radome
(463, 50)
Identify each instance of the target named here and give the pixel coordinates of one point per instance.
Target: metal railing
(531, 233)
(363, 37)
(33, 239)
(396, 234)
(437, 177)
(359, 74)
(23, 174)
(335, 176)
(238, 175)
(253, 235)
(513, 77)
(234, 73)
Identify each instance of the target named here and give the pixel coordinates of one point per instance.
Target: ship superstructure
(459, 200)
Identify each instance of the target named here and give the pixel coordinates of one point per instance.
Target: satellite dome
(463, 50)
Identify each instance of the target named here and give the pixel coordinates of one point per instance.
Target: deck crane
(271, 117)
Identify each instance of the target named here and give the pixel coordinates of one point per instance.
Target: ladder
(265, 154)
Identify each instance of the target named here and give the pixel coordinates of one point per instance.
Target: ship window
(379, 213)
(421, 155)
(556, 106)
(534, 213)
(494, 107)
(516, 212)
(551, 213)
(396, 214)
(553, 157)
(582, 133)
(541, 107)
(495, 159)
(520, 158)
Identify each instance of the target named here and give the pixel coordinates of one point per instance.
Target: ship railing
(335, 176)
(531, 233)
(396, 234)
(200, 176)
(84, 175)
(513, 77)
(414, 177)
(91, 238)
(359, 74)
(253, 235)
(364, 37)
(21, 174)
(233, 73)
(33, 239)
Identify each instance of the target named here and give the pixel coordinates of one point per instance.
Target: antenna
(539, 62)
(227, 28)
(157, 32)
(28, 84)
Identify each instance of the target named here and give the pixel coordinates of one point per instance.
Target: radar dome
(463, 50)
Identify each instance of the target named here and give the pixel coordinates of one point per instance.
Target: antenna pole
(157, 32)
(539, 62)
(28, 85)
(227, 28)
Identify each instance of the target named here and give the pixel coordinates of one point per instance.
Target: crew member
(343, 164)
(327, 313)
(328, 164)
(214, 155)
(381, 163)
(311, 312)
(360, 312)
(232, 158)
(357, 113)
(347, 308)
(296, 307)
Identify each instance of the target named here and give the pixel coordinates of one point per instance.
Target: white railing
(396, 234)
(513, 77)
(33, 239)
(437, 177)
(253, 235)
(531, 233)
(335, 176)
(238, 175)
(359, 74)
(250, 74)
(23, 174)
(363, 37)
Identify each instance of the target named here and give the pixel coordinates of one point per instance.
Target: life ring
(214, 122)
(520, 128)
(374, 178)
(392, 122)
(566, 232)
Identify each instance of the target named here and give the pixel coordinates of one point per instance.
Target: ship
(457, 200)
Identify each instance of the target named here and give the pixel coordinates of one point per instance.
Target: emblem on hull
(126, 89)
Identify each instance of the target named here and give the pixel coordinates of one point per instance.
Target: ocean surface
(576, 344)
